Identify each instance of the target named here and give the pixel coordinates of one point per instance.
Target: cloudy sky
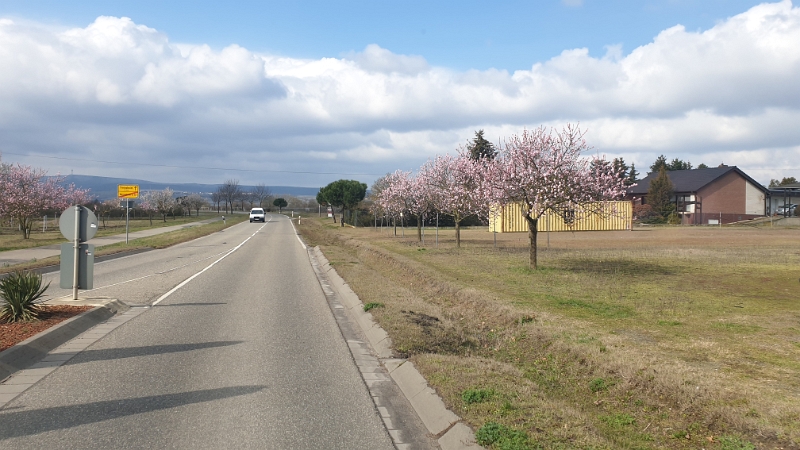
(303, 93)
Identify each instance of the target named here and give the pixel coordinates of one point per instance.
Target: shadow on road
(133, 352)
(25, 423)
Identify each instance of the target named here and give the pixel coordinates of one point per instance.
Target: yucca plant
(21, 293)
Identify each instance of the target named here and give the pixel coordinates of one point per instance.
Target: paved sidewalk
(12, 257)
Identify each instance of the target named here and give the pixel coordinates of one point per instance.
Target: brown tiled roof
(690, 180)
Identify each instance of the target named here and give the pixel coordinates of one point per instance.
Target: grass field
(11, 237)
(665, 337)
(15, 241)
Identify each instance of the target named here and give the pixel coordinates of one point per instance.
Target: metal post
(76, 248)
(127, 219)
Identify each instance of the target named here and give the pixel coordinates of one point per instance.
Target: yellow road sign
(128, 190)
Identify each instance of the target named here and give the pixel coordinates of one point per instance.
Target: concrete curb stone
(35, 348)
(452, 432)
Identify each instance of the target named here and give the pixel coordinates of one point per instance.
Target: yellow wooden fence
(616, 215)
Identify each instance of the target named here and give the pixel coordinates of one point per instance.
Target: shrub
(372, 305)
(471, 396)
(21, 293)
(646, 214)
(501, 437)
(734, 443)
(599, 384)
(674, 218)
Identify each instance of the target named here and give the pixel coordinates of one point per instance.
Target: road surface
(244, 355)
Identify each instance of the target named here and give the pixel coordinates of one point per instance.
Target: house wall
(754, 200)
(726, 195)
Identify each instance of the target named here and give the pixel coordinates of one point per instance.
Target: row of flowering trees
(26, 193)
(542, 169)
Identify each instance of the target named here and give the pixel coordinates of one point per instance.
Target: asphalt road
(245, 355)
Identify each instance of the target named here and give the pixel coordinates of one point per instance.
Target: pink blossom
(26, 193)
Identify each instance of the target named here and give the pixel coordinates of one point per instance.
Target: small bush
(674, 219)
(503, 438)
(599, 384)
(21, 293)
(471, 396)
(618, 421)
(372, 305)
(734, 443)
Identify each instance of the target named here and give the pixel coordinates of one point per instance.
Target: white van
(257, 215)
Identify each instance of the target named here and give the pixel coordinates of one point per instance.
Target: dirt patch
(14, 333)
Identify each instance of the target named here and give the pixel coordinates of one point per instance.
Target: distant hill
(104, 188)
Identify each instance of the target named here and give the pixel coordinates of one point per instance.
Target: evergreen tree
(345, 194)
(481, 148)
(659, 195)
(661, 161)
(677, 164)
(620, 167)
(633, 175)
(702, 166)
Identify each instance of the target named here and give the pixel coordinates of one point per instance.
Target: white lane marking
(297, 235)
(146, 276)
(55, 274)
(186, 281)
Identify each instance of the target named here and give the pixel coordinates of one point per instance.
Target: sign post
(78, 224)
(127, 191)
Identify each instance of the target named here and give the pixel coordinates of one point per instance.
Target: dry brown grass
(621, 340)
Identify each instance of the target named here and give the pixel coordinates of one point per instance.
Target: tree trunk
(419, 228)
(341, 220)
(532, 232)
(458, 232)
(25, 227)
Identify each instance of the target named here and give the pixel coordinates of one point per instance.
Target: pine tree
(678, 164)
(661, 161)
(620, 167)
(633, 175)
(659, 195)
(481, 148)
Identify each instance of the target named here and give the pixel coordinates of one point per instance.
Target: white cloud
(116, 89)
(377, 59)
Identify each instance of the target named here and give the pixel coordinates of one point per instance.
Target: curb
(452, 433)
(36, 348)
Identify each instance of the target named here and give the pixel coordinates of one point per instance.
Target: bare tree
(260, 192)
(104, 209)
(217, 198)
(195, 201)
(231, 193)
